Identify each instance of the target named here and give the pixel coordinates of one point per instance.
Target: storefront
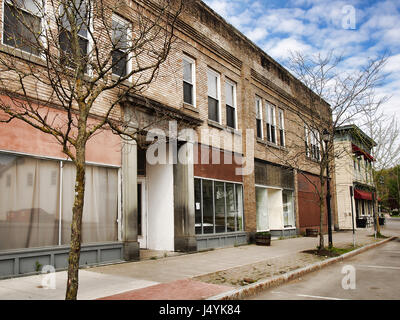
(364, 208)
(275, 199)
(219, 215)
(37, 184)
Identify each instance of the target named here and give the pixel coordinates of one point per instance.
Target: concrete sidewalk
(171, 277)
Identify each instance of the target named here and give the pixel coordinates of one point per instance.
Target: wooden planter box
(361, 223)
(312, 233)
(263, 240)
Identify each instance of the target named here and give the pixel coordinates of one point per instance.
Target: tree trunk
(322, 214)
(76, 226)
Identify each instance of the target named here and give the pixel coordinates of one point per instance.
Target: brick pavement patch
(186, 289)
(247, 274)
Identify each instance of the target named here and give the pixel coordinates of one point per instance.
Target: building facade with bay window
(356, 191)
(233, 182)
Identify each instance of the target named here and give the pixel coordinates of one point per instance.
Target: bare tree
(335, 98)
(385, 131)
(69, 66)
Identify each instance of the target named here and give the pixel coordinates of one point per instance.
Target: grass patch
(331, 252)
(379, 236)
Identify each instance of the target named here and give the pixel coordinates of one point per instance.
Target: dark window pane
(188, 93)
(282, 133)
(141, 162)
(230, 116)
(259, 131)
(139, 216)
(197, 200)
(273, 137)
(213, 113)
(208, 211)
(219, 207)
(21, 29)
(67, 55)
(268, 132)
(119, 61)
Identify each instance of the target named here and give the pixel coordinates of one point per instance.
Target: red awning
(358, 151)
(365, 195)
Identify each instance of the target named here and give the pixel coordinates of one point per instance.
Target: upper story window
(22, 25)
(259, 118)
(230, 96)
(189, 79)
(120, 42)
(271, 123)
(213, 81)
(74, 17)
(312, 142)
(281, 127)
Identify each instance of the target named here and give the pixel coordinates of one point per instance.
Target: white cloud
(257, 34)
(280, 49)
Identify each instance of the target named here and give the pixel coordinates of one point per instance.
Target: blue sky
(315, 26)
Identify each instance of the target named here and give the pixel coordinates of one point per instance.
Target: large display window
(218, 206)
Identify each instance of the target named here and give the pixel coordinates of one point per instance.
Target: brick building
(245, 108)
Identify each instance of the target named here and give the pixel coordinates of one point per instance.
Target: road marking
(378, 267)
(319, 297)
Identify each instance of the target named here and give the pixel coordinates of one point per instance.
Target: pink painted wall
(104, 147)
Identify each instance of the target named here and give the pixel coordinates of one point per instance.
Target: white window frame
(193, 63)
(233, 84)
(306, 139)
(89, 70)
(313, 139)
(281, 119)
(218, 76)
(128, 24)
(43, 25)
(271, 120)
(259, 112)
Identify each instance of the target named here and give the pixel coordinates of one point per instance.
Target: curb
(261, 285)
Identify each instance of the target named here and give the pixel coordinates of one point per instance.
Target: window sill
(190, 107)
(313, 160)
(18, 53)
(215, 124)
(127, 82)
(261, 141)
(234, 131)
(273, 145)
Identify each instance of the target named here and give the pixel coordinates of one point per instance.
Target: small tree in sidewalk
(64, 59)
(335, 98)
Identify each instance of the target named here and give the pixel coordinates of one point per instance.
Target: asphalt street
(372, 275)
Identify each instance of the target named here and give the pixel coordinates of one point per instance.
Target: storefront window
(221, 202)
(239, 206)
(288, 212)
(262, 209)
(230, 207)
(197, 209)
(208, 207)
(29, 197)
(99, 219)
(30, 212)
